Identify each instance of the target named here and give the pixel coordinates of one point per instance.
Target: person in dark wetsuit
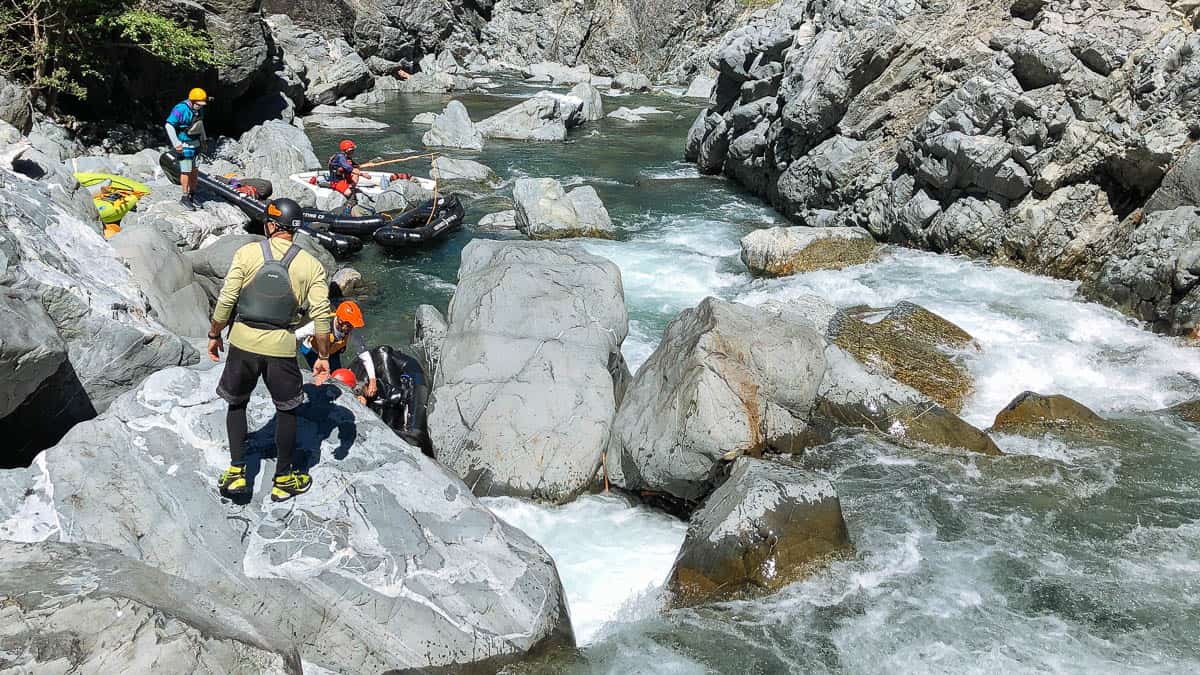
(401, 394)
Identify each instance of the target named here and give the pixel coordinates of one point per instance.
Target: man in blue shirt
(186, 132)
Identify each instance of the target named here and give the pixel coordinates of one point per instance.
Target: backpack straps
(288, 256)
(291, 254)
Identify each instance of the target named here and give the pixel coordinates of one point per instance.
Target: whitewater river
(1057, 557)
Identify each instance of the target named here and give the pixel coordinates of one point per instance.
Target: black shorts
(242, 370)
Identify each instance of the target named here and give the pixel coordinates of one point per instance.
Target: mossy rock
(767, 526)
(783, 251)
(1188, 411)
(1032, 413)
(913, 423)
(907, 346)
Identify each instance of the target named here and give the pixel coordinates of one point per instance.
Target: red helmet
(346, 145)
(346, 377)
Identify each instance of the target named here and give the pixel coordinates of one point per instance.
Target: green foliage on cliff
(68, 46)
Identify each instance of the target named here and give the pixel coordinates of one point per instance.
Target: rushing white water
(612, 557)
(1062, 556)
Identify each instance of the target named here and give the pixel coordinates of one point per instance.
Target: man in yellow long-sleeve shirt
(271, 284)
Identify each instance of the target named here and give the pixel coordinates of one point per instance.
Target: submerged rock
(523, 399)
(545, 211)
(726, 380)
(767, 526)
(1034, 413)
(782, 251)
(454, 129)
(1189, 411)
(388, 562)
(87, 608)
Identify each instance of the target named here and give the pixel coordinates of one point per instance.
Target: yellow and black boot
(233, 482)
(289, 485)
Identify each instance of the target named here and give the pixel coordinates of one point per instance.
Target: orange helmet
(197, 94)
(346, 145)
(350, 312)
(346, 377)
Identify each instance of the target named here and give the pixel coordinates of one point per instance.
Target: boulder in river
(782, 251)
(918, 359)
(501, 221)
(388, 562)
(454, 129)
(701, 86)
(726, 380)
(1031, 413)
(768, 525)
(425, 119)
(545, 211)
(557, 73)
(274, 151)
(349, 281)
(539, 118)
(593, 103)
(87, 608)
(631, 82)
(463, 175)
(523, 398)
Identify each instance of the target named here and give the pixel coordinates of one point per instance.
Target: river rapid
(1059, 556)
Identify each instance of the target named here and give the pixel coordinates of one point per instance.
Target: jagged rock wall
(1026, 132)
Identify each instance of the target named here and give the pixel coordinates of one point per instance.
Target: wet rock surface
(768, 525)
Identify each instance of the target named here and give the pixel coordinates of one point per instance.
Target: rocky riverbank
(1053, 136)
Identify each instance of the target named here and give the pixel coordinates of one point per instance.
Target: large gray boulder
(184, 228)
(523, 398)
(388, 562)
(782, 251)
(275, 150)
(167, 278)
(343, 75)
(110, 613)
(726, 380)
(537, 119)
(454, 129)
(463, 175)
(631, 82)
(592, 109)
(545, 211)
(701, 86)
(768, 525)
(54, 260)
(557, 73)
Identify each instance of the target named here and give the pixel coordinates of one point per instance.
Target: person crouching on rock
(347, 321)
(272, 284)
(186, 132)
(343, 171)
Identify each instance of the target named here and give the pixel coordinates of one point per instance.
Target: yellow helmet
(197, 94)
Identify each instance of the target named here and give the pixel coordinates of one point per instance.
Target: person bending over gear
(343, 171)
(185, 130)
(272, 284)
(346, 321)
(401, 396)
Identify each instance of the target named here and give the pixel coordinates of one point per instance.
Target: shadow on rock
(317, 419)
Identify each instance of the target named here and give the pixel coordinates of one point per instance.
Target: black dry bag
(268, 302)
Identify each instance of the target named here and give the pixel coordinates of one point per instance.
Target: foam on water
(611, 558)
